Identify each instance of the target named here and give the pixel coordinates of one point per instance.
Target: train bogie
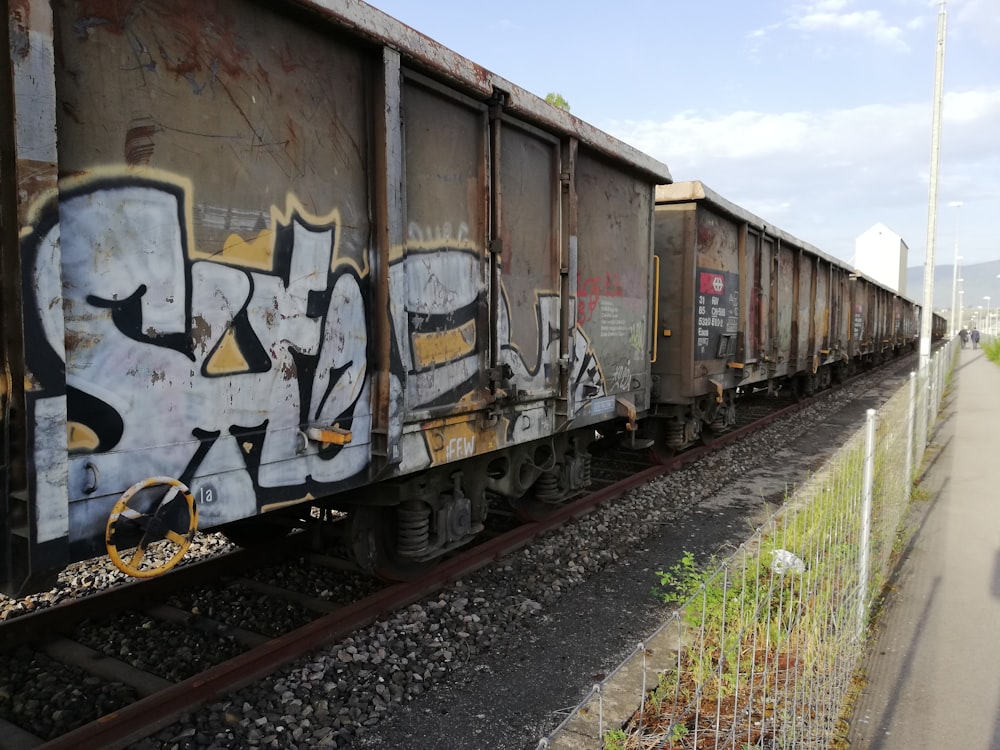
(255, 256)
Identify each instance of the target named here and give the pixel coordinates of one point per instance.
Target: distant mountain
(978, 281)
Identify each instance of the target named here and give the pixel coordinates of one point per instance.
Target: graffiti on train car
(204, 363)
(592, 290)
(443, 347)
(183, 362)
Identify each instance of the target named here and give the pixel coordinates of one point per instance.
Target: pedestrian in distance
(963, 335)
(975, 337)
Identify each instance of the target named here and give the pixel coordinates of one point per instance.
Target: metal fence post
(910, 430)
(866, 521)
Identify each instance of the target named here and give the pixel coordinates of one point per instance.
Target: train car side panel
(803, 320)
(674, 228)
(840, 314)
(754, 317)
(445, 344)
(785, 284)
(230, 291)
(702, 305)
(821, 313)
(529, 251)
(611, 349)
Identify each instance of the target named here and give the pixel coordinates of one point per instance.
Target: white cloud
(834, 16)
(862, 137)
(869, 23)
(828, 175)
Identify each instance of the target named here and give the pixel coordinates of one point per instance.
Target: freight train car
(266, 261)
(744, 306)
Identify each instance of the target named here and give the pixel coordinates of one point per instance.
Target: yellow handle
(143, 518)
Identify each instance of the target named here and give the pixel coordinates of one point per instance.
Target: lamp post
(954, 284)
(986, 324)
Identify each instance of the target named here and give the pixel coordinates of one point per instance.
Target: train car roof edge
(695, 190)
(423, 52)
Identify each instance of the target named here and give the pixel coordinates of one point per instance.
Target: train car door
(756, 299)
(610, 345)
(822, 308)
(525, 249)
(444, 264)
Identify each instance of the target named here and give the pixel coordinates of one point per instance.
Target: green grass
(992, 350)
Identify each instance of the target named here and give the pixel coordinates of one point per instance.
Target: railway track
(219, 648)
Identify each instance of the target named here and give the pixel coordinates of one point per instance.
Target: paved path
(934, 672)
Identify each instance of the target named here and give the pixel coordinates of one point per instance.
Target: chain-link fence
(763, 648)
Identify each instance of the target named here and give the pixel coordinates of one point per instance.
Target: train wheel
(156, 512)
(373, 538)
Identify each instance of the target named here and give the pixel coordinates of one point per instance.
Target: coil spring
(673, 434)
(547, 487)
(585, 470)
(413, 529)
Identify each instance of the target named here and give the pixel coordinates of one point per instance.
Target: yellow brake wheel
(157, 511)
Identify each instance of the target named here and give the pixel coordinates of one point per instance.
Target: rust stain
(20, 41)
(139, 146)
(190, 36)
(77, 341)
(201, 332)
(287, 60)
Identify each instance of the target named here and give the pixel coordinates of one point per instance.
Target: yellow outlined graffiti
(437, 347)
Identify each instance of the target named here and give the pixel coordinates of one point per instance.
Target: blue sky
(815, 115)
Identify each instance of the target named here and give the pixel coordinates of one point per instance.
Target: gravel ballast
(497, 660)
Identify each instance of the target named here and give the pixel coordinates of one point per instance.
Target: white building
(881, 254)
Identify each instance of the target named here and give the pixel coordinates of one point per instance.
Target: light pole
(954, 284)
(986, 324)
(927, 311)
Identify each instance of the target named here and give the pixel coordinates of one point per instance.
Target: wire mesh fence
(761, 648)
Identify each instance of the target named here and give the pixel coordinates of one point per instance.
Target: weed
(615, 739)
(992, 350)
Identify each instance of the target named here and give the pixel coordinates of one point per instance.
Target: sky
(816, 116)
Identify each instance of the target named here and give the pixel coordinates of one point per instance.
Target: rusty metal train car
(270, 267)
(270, 263)
(743, 305)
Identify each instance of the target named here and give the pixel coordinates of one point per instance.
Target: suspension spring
(413, 528)
(547, 487)
(673, 434)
